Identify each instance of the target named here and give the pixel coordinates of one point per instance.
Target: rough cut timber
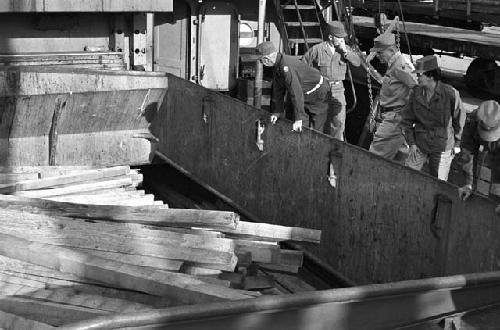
(151, 215)
(276, 232)
(111, 237)
(65, 179)
(181, 287)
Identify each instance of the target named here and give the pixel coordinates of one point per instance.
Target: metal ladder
(301, 25)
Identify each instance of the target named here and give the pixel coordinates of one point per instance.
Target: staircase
(300, 25)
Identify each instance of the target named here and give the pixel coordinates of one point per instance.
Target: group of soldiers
(420, 114)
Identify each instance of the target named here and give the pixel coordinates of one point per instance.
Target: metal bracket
(204, 103)
(332, 178)
(260, 130)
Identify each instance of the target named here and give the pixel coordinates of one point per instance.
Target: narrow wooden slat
(184, 288)
(106, 184)
(276, 232)
(217, 220)
(111, 237)
(64, 179)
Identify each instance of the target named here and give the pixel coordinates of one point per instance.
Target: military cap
(426, 63)
(488, 115)
(336, 29)
(383, 42)
(265, 48)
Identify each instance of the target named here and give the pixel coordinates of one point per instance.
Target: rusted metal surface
(382, 306)
(376, 223)
(76, 117)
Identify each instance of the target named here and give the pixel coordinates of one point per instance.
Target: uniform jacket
(331, 65)
(295, 76)
(471, 142)
(434, 126)
(397, 83)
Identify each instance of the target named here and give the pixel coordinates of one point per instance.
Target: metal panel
(45, 6)
(219, 44)
(376, 223)
(170, 40)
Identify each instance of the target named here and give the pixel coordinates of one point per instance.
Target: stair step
(309, 40)
(290, 7)
(303, 23)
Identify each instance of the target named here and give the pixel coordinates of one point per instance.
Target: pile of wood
(77, 243)
(87, 60)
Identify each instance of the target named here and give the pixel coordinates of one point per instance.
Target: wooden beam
(109, 237)
(65, 179)
(118, 182)
(218, 220)
(276, 232)
(182, 287)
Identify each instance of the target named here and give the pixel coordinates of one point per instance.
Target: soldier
(331, 58)
(433, 120)
(482, 130)
(394, 95)
(306, 86)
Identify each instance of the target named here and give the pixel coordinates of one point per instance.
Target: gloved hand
(456, 150)
(274, 119)
(297, 126)
(465, 192)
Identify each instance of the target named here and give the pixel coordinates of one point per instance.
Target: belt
(316, 87)
(335, 82)
(388, 109)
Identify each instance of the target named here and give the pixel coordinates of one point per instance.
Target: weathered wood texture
(422, 36)
(48, 6)
(100, 117)
(375, 224)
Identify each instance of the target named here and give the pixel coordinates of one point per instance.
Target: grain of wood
(184, 288)
(65, 179)
(277, 232)
(152, 215)
(112, 183)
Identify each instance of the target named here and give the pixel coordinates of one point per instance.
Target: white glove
(274, 119)
(456, 150)
(297, 126)
(465, 192)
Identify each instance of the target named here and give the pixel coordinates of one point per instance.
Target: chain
(370, 96)
(398, 37)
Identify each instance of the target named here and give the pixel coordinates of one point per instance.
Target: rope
(404, 29)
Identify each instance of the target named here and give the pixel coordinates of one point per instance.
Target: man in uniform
(433, 120)
(331, 58)
(482, 130)
(394, 95)
(307, 88)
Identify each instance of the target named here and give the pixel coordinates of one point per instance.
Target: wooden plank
(258, 282)
(47, 312)
(19, 277)
(84, 187)
(80, 234)
(184, 288)
(138, 260)
(72, 297)
(218, 220)
(65, 179)
(276, 232)
(279, 268)
(11, 321)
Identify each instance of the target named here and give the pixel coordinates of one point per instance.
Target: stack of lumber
(88, 60)
(70, 252)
